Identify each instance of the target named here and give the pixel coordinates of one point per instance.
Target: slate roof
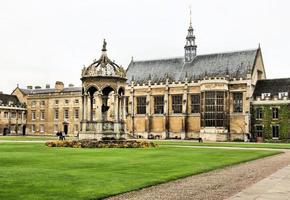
(235, 64)
(273, 86)
(50, 90)
(6, 98)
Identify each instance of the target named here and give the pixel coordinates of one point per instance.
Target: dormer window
(10, 103)
(281, 95)
(265, 95)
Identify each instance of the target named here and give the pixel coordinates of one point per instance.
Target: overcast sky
(43, 41)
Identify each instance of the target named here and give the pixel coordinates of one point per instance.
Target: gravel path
(215, 185)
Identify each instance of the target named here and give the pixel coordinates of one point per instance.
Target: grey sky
(45, 41)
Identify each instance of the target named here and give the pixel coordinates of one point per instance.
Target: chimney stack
(47, 86)
(59, 86)
(29, 87)
(70, 85)
(37, 87)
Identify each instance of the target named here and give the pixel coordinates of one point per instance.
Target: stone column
(116, 107)
(99, 104)
(184, 113)
(166, 109)
(85, 107)
(124, 108)
(91, 107)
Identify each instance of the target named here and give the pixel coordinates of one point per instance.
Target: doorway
(65, 128)
(23, 129)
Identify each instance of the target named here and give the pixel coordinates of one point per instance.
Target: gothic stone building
(271, 110)
(206, 96)
(12, 115)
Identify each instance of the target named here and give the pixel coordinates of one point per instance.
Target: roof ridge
(156, 59)
(228, 52)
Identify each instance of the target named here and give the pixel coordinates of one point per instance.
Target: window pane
(141, 105)
(177, 103)
(195, 103)
(159, 104)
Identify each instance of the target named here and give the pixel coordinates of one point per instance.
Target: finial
(104, 45)
(259, 47)
(190, 22)
(17, 85)
(132, 59)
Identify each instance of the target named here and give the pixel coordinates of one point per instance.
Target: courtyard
(34, 171)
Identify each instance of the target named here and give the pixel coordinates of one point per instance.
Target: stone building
(193, 96)
(271, 110)
(51, 110)
(103, 82)
(12, 115)
(207, 96)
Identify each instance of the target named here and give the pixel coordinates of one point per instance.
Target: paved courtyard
(276, 186)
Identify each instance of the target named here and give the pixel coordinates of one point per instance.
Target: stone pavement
(274, 187)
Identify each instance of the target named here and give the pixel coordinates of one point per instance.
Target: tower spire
(190, 47)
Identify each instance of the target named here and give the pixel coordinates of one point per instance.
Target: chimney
(70, 85)
(59, 86)
(37, 87)
(47, 86)
(29, 87)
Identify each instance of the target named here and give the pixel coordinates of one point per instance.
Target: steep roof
(6, 98)
(273, 86)
(235, 64)
(50, 90)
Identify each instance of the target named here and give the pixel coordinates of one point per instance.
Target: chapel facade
(207, 96)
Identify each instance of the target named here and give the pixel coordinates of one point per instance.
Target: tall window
(275, 131)
(33, 103)
(238, 102)
(76, 113)
(33, 115)
(41, 127)
(56, 102)
(177, 103)
(195, 103)
(32, 128)
(6, 115)
(13, 115)
(214, 109)
(259, 113)
(42, 115)
(76, 101)
(259, 130)
(141, 105)
(56, 114)
(42, 103)
(66, 114)
(66, 101)
(275, 113)
(159, 104)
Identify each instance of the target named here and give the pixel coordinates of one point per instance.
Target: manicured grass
(226, 144)
(28, 138)
(34, 171)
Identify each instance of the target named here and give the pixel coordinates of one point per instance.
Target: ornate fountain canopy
(104, 67)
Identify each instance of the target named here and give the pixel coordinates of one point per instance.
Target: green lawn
(31, 171)
(226, 144)
(28, 138)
